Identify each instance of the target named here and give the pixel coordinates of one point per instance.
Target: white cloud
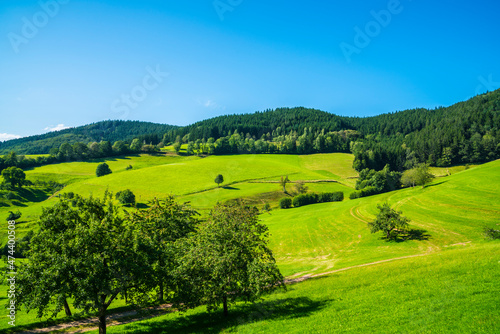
(7, 136)
(58, 127)
(210, 104)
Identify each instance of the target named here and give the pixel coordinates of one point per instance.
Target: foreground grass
(451, 292)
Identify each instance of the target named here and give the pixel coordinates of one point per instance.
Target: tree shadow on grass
(230, 188)
(413, 234)
(215, 322)
(416, 234)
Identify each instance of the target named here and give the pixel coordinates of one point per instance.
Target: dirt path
(305, 277)
(357, 217)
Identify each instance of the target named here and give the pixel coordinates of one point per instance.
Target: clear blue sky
(68, 63)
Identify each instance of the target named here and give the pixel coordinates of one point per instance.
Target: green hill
(445, 279)
(105, 130)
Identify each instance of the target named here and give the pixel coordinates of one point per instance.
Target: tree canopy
(228, 259)
(389, 221)
(84, 250)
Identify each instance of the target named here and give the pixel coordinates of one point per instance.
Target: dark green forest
(101, 131)
(466, 132)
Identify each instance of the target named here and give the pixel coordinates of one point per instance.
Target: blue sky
(66, 63)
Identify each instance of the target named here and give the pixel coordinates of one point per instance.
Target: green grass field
(446, 279)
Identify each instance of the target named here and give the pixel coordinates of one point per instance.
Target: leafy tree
(219, 179)
(300, 187)
(14, 215)
(229, 260)
(490, 233)
(388, 220)
(105, 148)
(283, 182)
(102, 169)
(285, 203)
(15, 176)
(177, 147)
(126, 197)
(119, 147)
(419, 176)
(85, 251)
(160, 227)
(136, 145)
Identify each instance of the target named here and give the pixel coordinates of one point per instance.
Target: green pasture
(449, 292)
(445, 279)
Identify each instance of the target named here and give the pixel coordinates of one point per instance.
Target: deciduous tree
(229, 260)
(388, 220)
(13, 175)
(84, 250)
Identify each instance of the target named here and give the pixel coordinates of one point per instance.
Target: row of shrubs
(368, 191)
(312, 198)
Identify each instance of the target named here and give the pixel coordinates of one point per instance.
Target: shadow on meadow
(413, 234)
(215, 322)
(230, 188)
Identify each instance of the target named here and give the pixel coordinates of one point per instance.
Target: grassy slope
(449, 292)
(326, 237)
(329, 236)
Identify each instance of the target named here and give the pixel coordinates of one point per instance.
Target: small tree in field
(15, 176)
(219, 179)
(126, 197)
(300, 187)
(389, 220)
(14, 215)
(283, 182)
(102, 169)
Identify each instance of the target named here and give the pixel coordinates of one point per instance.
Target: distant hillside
(464, 132)
(106, 130)
(274, 122)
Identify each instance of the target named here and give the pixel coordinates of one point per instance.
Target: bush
(267, 207)
(14, 215)
(492, 234)
(368, 191)
(126, 197)
(129, 167)
(102, 169)
(285, 203)
(305, 199)
(331, 197)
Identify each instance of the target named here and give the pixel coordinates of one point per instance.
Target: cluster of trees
(89, 251)
(311, 198)
(371, 182)
(305, 142)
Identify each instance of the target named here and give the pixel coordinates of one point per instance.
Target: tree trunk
(102, 315)
(224, 302)
(102, 324)
(66, 308)
(160, 292)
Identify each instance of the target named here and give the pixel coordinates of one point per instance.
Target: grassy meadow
(445, 279)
